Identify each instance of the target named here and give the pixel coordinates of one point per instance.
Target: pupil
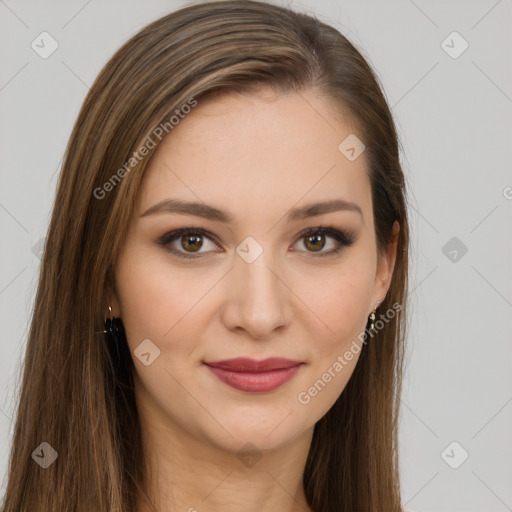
(195, 240)
(318, 239)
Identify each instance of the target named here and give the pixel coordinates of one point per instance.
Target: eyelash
(344, 239)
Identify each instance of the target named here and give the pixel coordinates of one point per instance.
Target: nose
(257, 300)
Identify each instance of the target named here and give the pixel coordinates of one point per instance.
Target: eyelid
(344, 238)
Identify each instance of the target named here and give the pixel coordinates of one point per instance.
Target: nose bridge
(261, 283)
(258, 299)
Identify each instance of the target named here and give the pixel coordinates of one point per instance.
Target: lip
(254, 376)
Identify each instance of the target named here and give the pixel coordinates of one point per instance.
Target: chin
(267, 427)
(245, 441)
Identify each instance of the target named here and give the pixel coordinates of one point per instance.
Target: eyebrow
(209, 212)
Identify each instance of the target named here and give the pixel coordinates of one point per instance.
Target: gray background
(454, 119)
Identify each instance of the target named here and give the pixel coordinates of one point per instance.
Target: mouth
(254, 376)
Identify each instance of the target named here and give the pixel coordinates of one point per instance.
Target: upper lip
(246, 365)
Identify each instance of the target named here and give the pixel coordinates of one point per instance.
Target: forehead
(254, 151)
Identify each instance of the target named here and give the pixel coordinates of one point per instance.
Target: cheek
(151, 301)
(341, 304)
(343, 310)
(160, 302)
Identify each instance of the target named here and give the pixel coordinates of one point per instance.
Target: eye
(187, 242)
(314, 240)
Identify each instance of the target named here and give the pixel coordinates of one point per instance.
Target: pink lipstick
(254, 376)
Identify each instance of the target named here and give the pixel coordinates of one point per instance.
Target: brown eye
(191, 242)
(315, 242)
(188, 242)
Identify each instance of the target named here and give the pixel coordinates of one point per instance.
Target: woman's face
(250, 284)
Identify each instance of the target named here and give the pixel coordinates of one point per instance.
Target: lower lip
(261, 382)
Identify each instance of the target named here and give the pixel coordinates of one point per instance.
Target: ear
(385, 267)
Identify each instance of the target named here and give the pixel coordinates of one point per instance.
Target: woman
(220, 317)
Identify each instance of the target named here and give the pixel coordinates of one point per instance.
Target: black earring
(113, 327)
(114, 335)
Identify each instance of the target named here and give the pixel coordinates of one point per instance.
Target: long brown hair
(73, 395)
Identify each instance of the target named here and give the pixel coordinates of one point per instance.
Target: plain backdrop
(446, 72)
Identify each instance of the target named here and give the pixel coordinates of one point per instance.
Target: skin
(255, 156)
